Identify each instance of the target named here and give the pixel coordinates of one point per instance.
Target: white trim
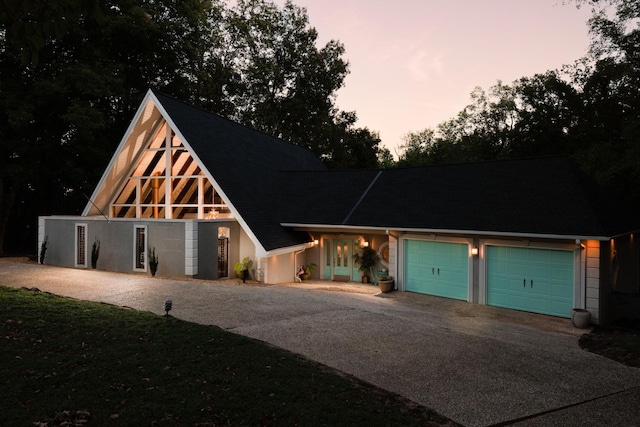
(136, 227)
(76, 248)
(116, 155)
(435, 231)
(260, 250)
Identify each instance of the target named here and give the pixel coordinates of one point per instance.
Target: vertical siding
(593, 280)
(41, 236)
(393, 257)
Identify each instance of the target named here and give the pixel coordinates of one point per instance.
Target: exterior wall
(116, 242)
(619, 279)
(280, 268)
(207, 254)
(592, 279)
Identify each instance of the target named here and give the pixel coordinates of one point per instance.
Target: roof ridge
(234, 122)
(373, 181)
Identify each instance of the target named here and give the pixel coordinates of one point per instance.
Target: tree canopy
(588, 111)
(73, 72)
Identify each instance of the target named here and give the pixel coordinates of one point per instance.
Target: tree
(610, 81)
(285, 85)
(71, 75)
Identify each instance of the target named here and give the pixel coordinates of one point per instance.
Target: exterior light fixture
(167, 306)
(316, 242)
(474, 251)
(365, 244)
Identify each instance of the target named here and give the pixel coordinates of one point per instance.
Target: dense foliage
(73, 72)
(589, 111)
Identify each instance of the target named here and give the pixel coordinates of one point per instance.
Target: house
(203, 192)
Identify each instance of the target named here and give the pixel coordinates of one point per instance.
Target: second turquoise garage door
(437, 268)
(535, 280)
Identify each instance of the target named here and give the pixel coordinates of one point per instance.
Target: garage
(529, 279)
(437, 268)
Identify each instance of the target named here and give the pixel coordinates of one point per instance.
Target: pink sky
(414, 63)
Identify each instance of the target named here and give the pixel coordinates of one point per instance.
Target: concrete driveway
(474, 364)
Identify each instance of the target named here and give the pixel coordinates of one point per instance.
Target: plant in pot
(366, 258)
(242, 268)
(43, 249)
(95, 253)
(307, 271)
(385, 282)
(153, 261)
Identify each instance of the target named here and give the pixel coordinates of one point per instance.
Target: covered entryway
(437, 268)
(528, 279)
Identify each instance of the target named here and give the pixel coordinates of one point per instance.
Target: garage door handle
(438, 272)
(433, 271)
(524, 283)
(532, 283)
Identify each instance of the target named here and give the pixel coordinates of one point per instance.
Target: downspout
(583, 275)
(295, 263)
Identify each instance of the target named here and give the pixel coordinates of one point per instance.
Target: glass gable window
(167, 183)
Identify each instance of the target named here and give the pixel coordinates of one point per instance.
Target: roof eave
(342, 228)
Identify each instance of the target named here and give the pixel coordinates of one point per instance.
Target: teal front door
(437, 268)
(535, 280)
(342, 257)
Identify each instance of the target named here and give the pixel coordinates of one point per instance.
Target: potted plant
(242, 268)
(307, 271)
(95, 253)
(385, 282)
(153, 261)
(43, 249)
(366, 258)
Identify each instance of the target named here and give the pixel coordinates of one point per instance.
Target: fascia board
(260, 250)
(443, 231)
(117, 153)
(286, 250)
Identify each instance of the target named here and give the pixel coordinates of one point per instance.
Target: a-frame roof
(543, 197)
(242, 163)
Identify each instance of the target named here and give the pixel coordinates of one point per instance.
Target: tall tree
(71, 75)
(610, 83)
(285, 85)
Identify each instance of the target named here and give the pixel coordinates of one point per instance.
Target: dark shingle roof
(245, 163)
(540, 196)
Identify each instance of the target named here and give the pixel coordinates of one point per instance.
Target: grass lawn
(68, 362)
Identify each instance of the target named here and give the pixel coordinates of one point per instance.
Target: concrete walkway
(474, 364)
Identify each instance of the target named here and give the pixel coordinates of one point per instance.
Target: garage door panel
(530, 279)
(437, 268)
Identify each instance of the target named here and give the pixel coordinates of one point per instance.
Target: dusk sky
(414, 63)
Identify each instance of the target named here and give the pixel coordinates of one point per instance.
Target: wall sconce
(316, 242)
(474, 251)
(365, 244)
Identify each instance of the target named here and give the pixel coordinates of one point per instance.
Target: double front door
(338, 259)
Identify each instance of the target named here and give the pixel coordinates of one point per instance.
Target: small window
(139, 248)
(81, 245)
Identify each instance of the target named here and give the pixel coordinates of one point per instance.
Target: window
(139, 248)
(168, 183)
(81, 245)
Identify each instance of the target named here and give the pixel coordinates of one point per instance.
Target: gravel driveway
(474, 364)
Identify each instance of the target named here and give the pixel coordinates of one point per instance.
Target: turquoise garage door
(536, 280)
(437, 268)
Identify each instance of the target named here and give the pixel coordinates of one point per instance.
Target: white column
(190, 248)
